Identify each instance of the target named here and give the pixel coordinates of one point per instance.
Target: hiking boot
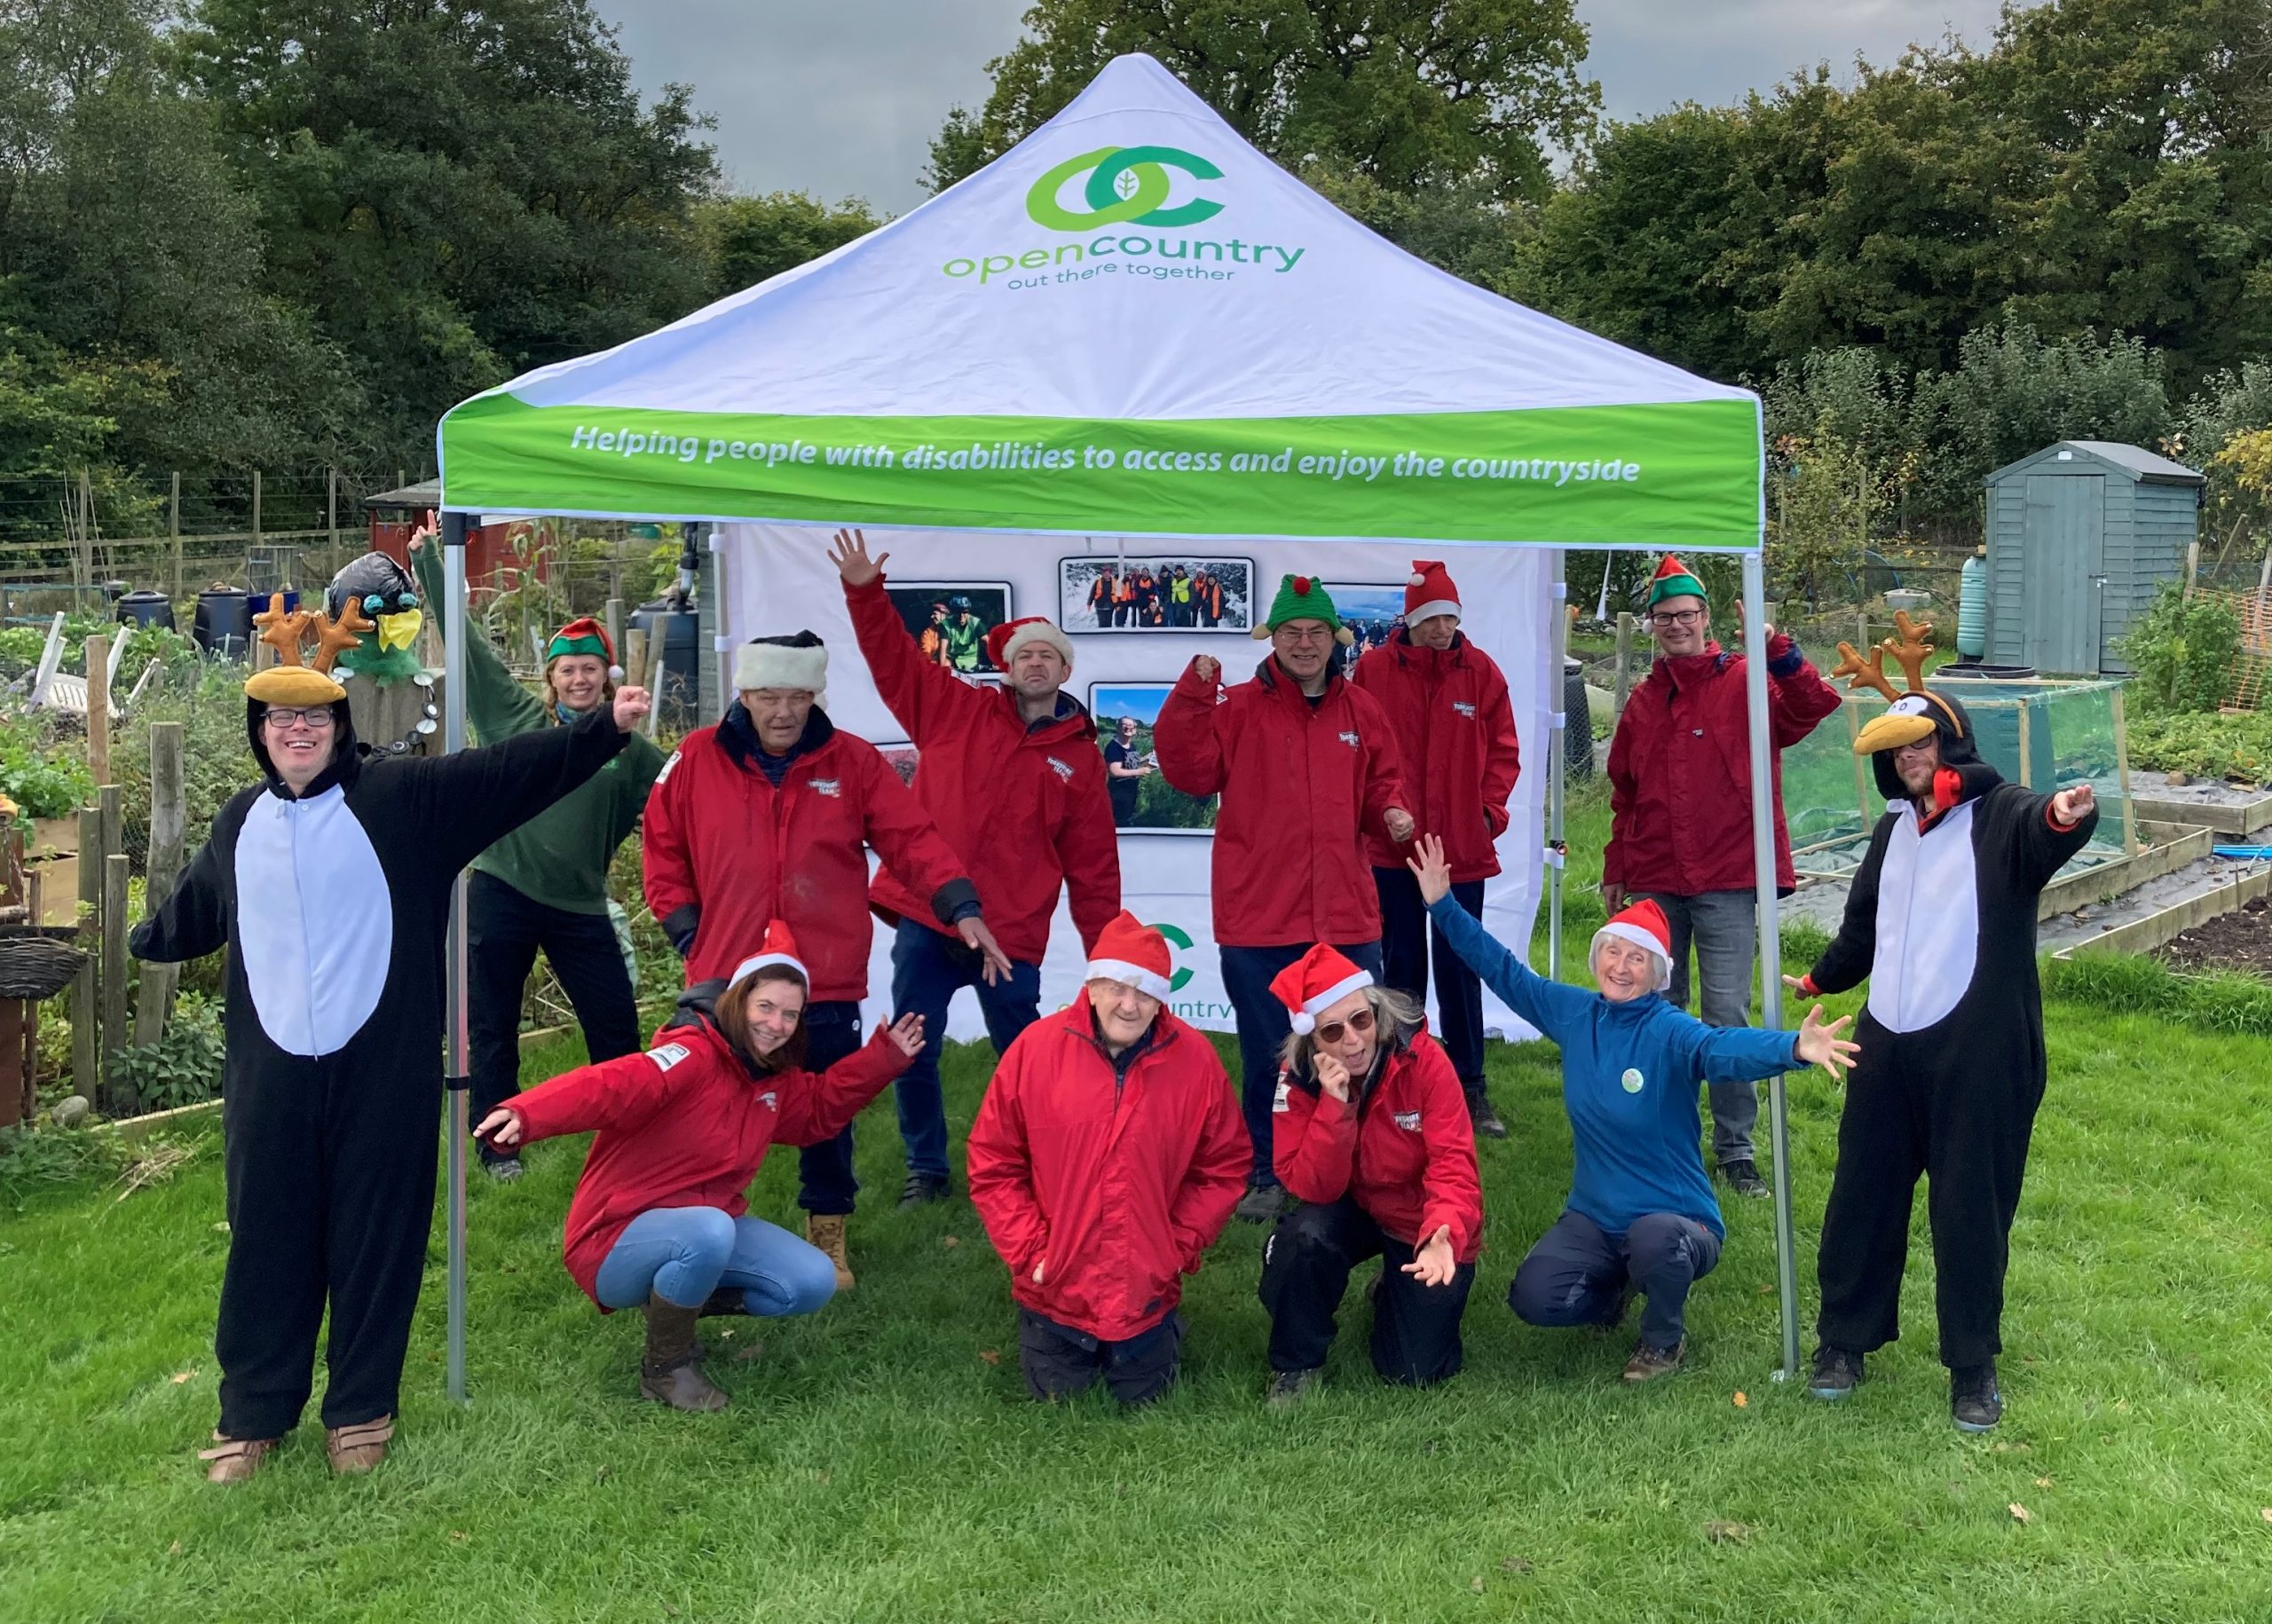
(1261, 1203)
(234, 1460)
(1836, 1372)
(1743, 1177)
(504, 1170)
(670, 1372)
(1482, 1116)
(922, 1189)
(357, 1449)
(1648, 1363)
(826, 1230)
(1974, 1404)
(1289, 1388)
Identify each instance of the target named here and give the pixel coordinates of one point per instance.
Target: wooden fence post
(634, 658)
(86, 1024)
(1624, 659)
(173, 533)
(155, 1006)
(117, 868)
(615, 632)
(98, 649)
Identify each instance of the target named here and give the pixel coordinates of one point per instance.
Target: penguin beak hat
(1913, 716)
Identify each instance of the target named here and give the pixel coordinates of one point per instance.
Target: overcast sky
(842, 98)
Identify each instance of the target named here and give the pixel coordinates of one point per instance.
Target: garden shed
(2079, 536)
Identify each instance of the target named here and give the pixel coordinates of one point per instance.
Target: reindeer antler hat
(1913, 715)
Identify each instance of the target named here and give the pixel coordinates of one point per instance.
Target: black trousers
(1407, 938)
(505, 928)
(1306, 1274)
(1060, 1361)
(1911, 1109)
(1578, 1273)
(825, 1181)
(330, 1172)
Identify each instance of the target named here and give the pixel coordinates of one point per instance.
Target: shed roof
(425, 493)
(2133, 462)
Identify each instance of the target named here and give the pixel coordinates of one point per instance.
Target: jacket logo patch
(669, 1055)
(1463, 709)
(769, 1099)
(1278, 1100)
(666, 768)
(1409, 1121)
(831, 788)
(1632, 1080)
(1059, 768)
(1351, 740)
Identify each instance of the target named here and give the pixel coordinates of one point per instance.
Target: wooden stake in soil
(2122, 773)
(86, 1051)
(1624, 660)
(634, 658)
(117, 868)
(98, 707)
(154, 1006)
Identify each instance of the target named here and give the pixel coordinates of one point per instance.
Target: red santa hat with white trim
(1429, 592)
(1315, 983)
(1003, 642)
(778, 948)
(1133, 953)
(1644, 924)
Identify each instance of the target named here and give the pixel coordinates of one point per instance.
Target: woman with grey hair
(1372, 1135)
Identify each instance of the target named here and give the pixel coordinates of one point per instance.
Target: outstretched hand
(850, 557)
(631, 705)
(907, 1032)
(1433, 1264)
(1819, 1043)
(1429, 867)
(2071, 806)
(501, 1128)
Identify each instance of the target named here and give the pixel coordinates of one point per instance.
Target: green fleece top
(559, 858)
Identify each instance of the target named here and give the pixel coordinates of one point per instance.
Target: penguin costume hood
(1913, 716)
(298, 686)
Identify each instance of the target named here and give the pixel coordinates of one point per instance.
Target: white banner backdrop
(777, 580)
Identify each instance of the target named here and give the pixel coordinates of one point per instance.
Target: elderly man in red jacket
(1105, 1161)
(1456, 733)
(1307, 766)
(1012, 778)
(1680, 818)
(768, 815)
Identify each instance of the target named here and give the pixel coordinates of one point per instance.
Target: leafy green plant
(182, 1067)
(2183, 652)
(2236, 746)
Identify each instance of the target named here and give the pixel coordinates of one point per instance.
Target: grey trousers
(1723, 927)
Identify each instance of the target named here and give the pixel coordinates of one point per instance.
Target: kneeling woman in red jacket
(1373, 1137)
(660, 1219)
(1105, 1161)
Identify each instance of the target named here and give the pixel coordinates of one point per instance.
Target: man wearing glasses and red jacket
(1680, 818)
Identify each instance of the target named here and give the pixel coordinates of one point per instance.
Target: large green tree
(746, 240)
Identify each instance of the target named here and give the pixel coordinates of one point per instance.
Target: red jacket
(687, 1124)
(1024, 808)
(1301, 784)
(1454, 729)
(726, 853)
(1680, 770)
(1405, 1151)
(1117, 1176)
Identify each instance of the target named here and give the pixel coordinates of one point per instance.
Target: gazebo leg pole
(1556, 768)
(455, 1122)
(1771, 946)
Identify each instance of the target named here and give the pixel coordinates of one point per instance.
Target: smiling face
(773, 1007)
(1436, 631)
(1302, 647)
(1915, 764)
(1123, 1013)
(579, 682)
(300, 741)
(1681, 625)
(780, 714)
(1038, 671)
(1623, 970)
(1349, 1031)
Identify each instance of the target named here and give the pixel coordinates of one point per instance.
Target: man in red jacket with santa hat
(1106, 1158)
(1680, 818)
(1454, 729)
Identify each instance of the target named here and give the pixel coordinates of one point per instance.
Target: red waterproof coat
(1117, 1176)
(1454, 730)
(1024, 808)
(1405, 1151)
(687, 1124)
(1680, 770)
(727, 853)
(1301, 784)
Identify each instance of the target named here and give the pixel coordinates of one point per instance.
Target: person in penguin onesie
(1941, 919)
(330, 885)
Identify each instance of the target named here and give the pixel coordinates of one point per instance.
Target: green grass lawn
(880, 1461)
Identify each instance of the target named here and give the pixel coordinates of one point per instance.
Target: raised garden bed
(2240, 939)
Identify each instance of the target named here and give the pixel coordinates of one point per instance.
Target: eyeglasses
(1332, 1031)
(1677, 617)
(318, 717)
(1294, 634)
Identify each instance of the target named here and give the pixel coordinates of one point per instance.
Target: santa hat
(1643, 924)
(1003, 642)
(1133, 953)
(584, 635)
(1303, 598)
(1429, 592)
(800, 661)
(1317, 981)
(779, 948)
(1673, 581)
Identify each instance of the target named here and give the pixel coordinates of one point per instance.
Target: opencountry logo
(1181, 944)
(1127, 186)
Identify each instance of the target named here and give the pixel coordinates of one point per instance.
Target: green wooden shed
(2079, 536)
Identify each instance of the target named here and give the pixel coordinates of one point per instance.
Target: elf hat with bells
(1915, 715)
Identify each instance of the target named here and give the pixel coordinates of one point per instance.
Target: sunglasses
(1333, 1031)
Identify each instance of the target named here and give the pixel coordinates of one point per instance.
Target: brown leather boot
(357, 1448)
(826, 1230)
(671, 1372)
(232, 1460)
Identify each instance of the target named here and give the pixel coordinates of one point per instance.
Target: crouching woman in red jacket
(661, 1219)
(1105, 1161)
(1373, 1137)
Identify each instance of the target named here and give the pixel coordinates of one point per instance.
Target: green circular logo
(1127, 186)
(1181, 944)
(1631, 1080)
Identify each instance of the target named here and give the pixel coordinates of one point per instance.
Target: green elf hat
(1303, 598)
(584, 635)
(1673, 581)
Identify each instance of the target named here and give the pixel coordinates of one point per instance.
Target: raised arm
(617, 1094)
(1217, 1176)
(2048, 830)
(1798, 699)
(1554, 1007)
(817, 1108)
(471, 799)
(1000, 1168)
(497, 706)
(1186, 736)
(923, 695)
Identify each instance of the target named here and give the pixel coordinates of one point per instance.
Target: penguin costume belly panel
(333, 902)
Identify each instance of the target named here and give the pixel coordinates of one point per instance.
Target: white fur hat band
(798, 661)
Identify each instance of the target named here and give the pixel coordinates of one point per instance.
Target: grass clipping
(153, 1163)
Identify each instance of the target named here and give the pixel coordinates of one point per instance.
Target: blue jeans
(1264, 1027)
(682, 1254)
(928, 969)
(1578, 1273)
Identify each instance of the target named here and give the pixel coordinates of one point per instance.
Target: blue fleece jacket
(1629, 1076)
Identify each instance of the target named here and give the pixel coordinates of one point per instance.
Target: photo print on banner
(1155, 593)
(1142, 799)
(949, 620)
(1371, 610)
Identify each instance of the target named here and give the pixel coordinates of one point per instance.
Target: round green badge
(1632, 1080)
